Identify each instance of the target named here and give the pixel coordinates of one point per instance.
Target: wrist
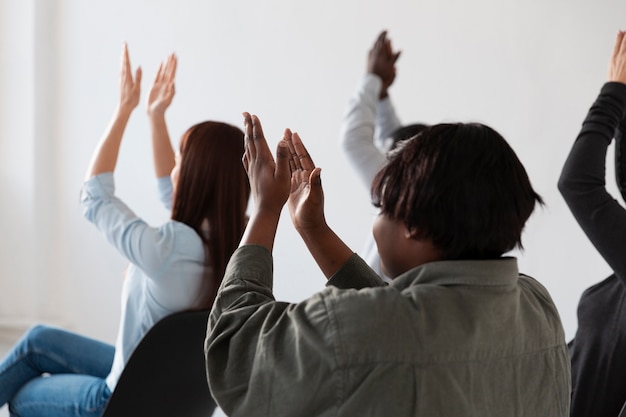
(156, 113)
(124, 110)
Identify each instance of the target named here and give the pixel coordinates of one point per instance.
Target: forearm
(328, 250)
(261, 229)
(104, 158)
(162, 151)
(582, 181)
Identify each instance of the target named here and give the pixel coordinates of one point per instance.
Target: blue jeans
(52, 373)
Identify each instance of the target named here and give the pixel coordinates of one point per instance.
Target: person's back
(449, 338)
(459, 332)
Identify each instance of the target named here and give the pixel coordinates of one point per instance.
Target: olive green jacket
(451, 338)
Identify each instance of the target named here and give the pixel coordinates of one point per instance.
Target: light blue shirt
(166, 268)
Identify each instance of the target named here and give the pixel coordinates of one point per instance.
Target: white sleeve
(358, 130)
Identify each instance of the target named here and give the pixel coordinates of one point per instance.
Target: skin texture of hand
(306, 197)
(617, 66)
(270, 182)
(104, 158)
(163, 89)
(130, 88)
(381, 61)
(159, 100)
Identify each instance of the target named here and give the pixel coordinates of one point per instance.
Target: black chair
(165, 376)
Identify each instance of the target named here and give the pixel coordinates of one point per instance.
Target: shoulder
(182, 239)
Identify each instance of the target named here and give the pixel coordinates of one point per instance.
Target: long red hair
(212, 185)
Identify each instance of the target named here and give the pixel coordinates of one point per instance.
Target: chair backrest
(166, 374)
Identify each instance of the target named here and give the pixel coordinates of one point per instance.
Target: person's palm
(162, 91)
(306, 206)
(160, 97)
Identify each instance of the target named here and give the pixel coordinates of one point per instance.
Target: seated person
(458, 332)
(371, 127)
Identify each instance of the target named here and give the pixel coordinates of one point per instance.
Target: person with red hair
(173, 267)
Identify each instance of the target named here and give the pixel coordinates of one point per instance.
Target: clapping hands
(291, 178)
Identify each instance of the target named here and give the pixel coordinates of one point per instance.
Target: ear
(410, 233)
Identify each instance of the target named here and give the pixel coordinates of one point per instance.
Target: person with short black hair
(458, 332)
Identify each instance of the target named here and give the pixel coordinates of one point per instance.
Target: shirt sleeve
(356, 274)
(164, 185)
(358, 131)
(387, 122)
(582, 181)
(257, 349)
(147, 247)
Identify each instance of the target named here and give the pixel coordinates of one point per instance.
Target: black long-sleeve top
(598, 351)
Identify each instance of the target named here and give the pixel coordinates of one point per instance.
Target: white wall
(529, 69)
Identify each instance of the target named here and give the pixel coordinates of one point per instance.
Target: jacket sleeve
(147, 247)
(582, 181)
(267, 358)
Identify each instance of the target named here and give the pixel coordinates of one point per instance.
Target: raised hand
(129, 88)
(306, 206)
(617, 65)
(163, 89)
(306, 197)
(269, 183)
(381, 61)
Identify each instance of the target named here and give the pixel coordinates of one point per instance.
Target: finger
(157, 77)
(249, 143)
(283, 171)
(302, 153)
(138, 77)
(126, 60)
(167, 74)
(174, 66)
(244, 161)
(259, 138)
(287, 140)
(618, 43)
(396, 56)
(381, 37)
(316, 193)
(315, 179)
(295, 161)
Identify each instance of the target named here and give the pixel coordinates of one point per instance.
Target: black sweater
(598, 351)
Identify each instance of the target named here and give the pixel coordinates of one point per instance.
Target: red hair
(212, 185)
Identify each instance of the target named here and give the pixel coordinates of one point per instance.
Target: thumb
(315, 185)
(282, 161)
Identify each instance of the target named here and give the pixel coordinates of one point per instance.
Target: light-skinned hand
(617, 65)
(163, 88)
(130, 88)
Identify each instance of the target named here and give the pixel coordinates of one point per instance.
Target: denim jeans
(52, 373)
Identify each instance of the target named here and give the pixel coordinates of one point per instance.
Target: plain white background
(529, 69)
